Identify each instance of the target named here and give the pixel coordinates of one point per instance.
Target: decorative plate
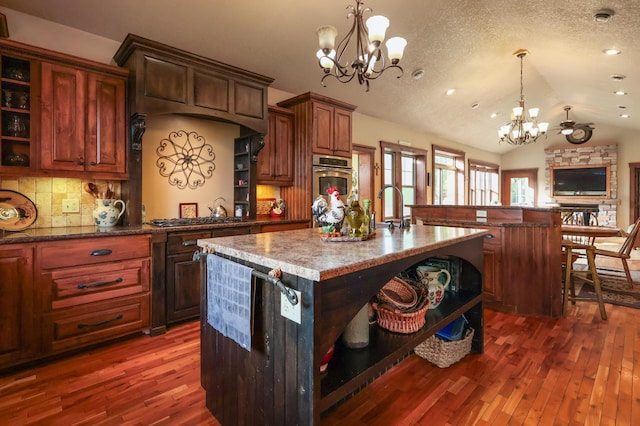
(17, 212)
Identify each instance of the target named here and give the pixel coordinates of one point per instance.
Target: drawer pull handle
(489, 236)
(101, 283)
(190, 243)
(101, 252)
(95, 324)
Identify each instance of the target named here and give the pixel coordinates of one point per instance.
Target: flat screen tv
(580, 181)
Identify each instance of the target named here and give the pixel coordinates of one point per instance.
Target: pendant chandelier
(524, 128)
(367, 61)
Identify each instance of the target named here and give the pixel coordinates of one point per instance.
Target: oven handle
(317, 169)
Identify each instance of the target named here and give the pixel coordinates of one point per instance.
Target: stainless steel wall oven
(330, 171)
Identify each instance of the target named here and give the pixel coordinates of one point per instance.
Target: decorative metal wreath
(186, 159)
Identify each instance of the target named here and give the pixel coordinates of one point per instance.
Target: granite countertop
(305, 254)
(68, 232)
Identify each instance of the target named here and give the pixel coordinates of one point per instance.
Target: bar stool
(590, 275)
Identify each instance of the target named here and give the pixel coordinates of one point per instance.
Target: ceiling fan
(575, 133)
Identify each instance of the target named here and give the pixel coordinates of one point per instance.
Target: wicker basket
(399, 321)
(443, 353)
(399, 294)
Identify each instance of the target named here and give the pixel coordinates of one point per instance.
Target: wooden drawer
(96, 322)
(61, 254)
(182, 242)
(86, 284)
(230, 232)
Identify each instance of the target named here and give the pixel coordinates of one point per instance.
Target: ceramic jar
(436, 281)
(106, 214)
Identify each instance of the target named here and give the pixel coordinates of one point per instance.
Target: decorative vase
(436, 281)
(106, 214)
(354, 216)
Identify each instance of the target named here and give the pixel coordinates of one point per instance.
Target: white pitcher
(435, 280)
(106, 214)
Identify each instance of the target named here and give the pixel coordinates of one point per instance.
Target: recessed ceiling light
(622, 107)
(603, 15)
(620, 92)
(450, 92)
(494, 115)
(625, 116)
(475, 105)
(418, 74)
(618, 77)
(611, 52)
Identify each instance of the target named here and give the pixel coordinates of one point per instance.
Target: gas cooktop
(184, 221)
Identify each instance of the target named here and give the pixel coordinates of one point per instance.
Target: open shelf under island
(278, 381)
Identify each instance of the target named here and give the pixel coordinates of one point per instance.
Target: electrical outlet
(293, 312)
(70, 205)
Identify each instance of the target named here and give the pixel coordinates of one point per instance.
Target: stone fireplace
(583, 156)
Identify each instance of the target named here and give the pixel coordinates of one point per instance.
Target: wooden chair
(580, 218)
(590, 275)
(624, 252)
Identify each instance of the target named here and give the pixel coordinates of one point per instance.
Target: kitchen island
(278, 380)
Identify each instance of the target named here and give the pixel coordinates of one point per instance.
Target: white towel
(229, 298)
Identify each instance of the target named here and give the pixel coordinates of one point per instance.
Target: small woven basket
(443, 353)
(398, 294)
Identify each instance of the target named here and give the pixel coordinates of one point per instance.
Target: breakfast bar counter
(277, 379)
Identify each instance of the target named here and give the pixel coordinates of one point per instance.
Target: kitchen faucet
(403, 224)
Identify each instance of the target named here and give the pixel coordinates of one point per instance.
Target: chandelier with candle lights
(365, 60)
(524, 127)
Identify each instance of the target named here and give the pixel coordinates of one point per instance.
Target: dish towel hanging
(229, 299)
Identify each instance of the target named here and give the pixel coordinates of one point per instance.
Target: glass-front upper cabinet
(16, 147)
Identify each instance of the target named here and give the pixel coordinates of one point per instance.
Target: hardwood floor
(540, 371)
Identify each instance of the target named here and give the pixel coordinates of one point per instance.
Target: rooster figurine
(329, 215)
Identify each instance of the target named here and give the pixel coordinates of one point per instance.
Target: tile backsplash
(48, 195)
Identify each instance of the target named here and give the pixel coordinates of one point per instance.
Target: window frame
(459, 168)
(485, 167)
(420, 185)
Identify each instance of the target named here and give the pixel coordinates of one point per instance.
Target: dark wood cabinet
(322, 125)
(276, 159)
(92, 290)
(82, 122)
(61, 115)
(492, 283)
(183, 276)
(331, 129)
(18, 335)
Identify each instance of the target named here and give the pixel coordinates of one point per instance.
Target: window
(483, 183)
(405, 168)
(448, 176)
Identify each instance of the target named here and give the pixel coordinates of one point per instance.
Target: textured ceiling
(462, 44)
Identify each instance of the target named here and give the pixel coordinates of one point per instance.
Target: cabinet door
(17, 323)
(492, 282)
(323, 129)
(283, 150)
(183, 287)
(264, 168)
(342, 133)
(275, 160)
(63, 118)
(105, 148)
